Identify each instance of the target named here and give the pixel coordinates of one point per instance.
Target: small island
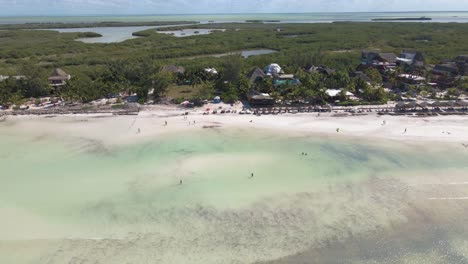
(403, 19)
(262, 21)
(89, 35)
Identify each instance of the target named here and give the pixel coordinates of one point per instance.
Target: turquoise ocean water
(66, 198)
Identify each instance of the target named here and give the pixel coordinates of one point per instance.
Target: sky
(117, 7)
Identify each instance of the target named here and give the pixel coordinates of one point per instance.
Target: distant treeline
(90, 25)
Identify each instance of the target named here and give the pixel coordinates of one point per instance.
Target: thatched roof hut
(59, 77)
(256, 74)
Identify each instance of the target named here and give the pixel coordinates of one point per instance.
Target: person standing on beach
(165, 123)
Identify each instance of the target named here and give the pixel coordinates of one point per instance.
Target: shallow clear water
(81, 189)
(109, 34)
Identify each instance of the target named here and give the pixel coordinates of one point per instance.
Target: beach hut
(273, 69)
(59, 78)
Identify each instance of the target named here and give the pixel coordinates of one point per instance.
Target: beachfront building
(413, 58)
(59, 78)
(379, 60)
(286, 79)
(273, 70)
(411, 80)
(445, 75)
(256, 75)
(319, 69)
(16, 77)
(336, 94)
(256, 99)
(462, 64)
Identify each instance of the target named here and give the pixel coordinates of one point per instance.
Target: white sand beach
(124, 129)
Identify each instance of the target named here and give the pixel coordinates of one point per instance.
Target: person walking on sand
(165, 123)
(180, 182)
(139, 131)
(251, 175)
(405, 130)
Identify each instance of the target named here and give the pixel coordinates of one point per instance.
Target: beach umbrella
(423, 104)
(444, 104)
(451, 103)
(400, 105)
(436, 104)
(411, 105)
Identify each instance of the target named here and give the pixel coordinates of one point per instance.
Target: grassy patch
(182, 91)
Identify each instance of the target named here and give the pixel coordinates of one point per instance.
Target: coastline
(151, 123)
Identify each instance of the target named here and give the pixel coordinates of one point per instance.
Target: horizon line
(236, 13)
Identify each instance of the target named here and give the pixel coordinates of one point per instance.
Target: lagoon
(244, 53)
(109, 34)
(191, 32)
